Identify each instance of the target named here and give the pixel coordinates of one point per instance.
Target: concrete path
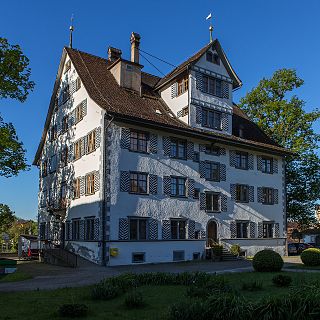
(60, 277)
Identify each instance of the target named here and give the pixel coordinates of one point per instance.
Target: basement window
(138, 257)
(178, 255)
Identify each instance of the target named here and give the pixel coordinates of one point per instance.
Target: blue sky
(259, 37)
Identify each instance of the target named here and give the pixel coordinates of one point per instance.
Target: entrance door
(212, 234)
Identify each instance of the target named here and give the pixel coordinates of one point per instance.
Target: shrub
(235, 249)
(73, 310)
(188, 310)
(134, 299)
(105, 291)
(272, 308)
(311, 257)
(252, 286)
(282, 280)
(217, 250)
(267, 261)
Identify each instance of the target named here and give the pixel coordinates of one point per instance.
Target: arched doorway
(212, 232)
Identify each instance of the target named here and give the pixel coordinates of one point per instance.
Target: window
(196, 156)
(178, 149)
(44, 198)
(138, 182)
(266, 165)
(67, 66)
(183, 85)
(63, 195)
(65, 94)
(184, 111)
(89, 228)
(211, 119)
(267, 195)
(76, 229)
(212, 149)
(138, 229)
(76, 188)
(242, 193)
(79, 115)
(77, 150)
(65, 124)
(242, 229)
(42, 230)
(44, 168)
(138, 141)
(53, 133)
(53, 163)
(90, 184)
(213, 58)
(178, 187)
(50, 196)
(92, 141)
(267, 230)
(78, 84)
(138, 257)
(178, 229)
(64, 157)
(196, 193)
(213, 203)
(241, 160)
(212, 170)
(178, 255)
(212, 86)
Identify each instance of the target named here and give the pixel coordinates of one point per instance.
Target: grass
(302, 266)
(16, 276)
(44, 304)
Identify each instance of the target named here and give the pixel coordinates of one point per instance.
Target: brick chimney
(135, 43)
(114, 54)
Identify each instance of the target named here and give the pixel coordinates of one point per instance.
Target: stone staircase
(60, 257)
(228, 256)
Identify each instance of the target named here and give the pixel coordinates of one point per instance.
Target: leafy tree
(280, 113)
(15, 83)
(7, 218)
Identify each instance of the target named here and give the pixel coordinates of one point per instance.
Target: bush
(73, 310)
(105, 291)
(311, 257)
(252, 286)
(267, 261)
(282, 280)
(217, 250)
(134, 300)
(235, 249)
(188, 310)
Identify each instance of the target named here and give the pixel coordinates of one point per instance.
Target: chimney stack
(114, 54)
(135, 43)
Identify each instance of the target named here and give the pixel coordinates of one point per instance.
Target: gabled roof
(215, 45)
(147, 109)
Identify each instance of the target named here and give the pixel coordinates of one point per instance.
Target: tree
(15, 83)
(7, 218)
(280, 113)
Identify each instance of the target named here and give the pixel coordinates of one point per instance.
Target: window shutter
(202, 201)
(222, 151)
(71, 119)
(153, 184)
(224, 202)
(123, 229)
(85, 142)
(233, 191)
(276, 231)
(73, 87)
(70, 153)
(166, 146)
(153, 147)
(251, 193)
(275, 196)
(225, 90)
(153, 229)
(232, 158)
(96, 229)
(82, 186)
(224, 121)
(199, 82)
(202, 169)
(125, 138)
(260, 194)
(252, 230)
(191, 228)
(81, 231)
(223, 172)
(190, 150)
(259, 163)
(84, 108)
(202, 147)
(260, 230)
(250, 161)
(98, 137)
(173, 90)
(167, 185)
(68, 230)
(190, 188)
(82, 147)
(233, 229)
(96, 181)
(166, 230)
(274, 165)
(125, 181)
(198, 115)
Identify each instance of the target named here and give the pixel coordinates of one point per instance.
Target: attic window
(67, 66)
(213, 58)
(158, 111)
(183, 85)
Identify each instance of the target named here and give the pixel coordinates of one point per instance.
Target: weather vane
(209, 17)
(71, 28)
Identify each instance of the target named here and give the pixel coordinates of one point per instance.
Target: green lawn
(44, 304)
(16, 276)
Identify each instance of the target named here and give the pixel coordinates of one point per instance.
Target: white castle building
(135, 168)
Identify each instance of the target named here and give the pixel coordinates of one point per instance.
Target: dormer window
(183, 85)
(212, 86)
(211, 119)
(213, 58)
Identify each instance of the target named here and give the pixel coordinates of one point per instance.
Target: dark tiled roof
(149, 108)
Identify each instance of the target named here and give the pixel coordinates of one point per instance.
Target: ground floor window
(268, 229)
(89, 228)
(76, 229)
(138, 257)
(138, 229)
(42, 231)
(242, 229)
(178, 229)
(213, 202)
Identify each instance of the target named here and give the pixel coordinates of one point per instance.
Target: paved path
(60, 277)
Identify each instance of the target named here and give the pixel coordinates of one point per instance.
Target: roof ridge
(87, 53)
